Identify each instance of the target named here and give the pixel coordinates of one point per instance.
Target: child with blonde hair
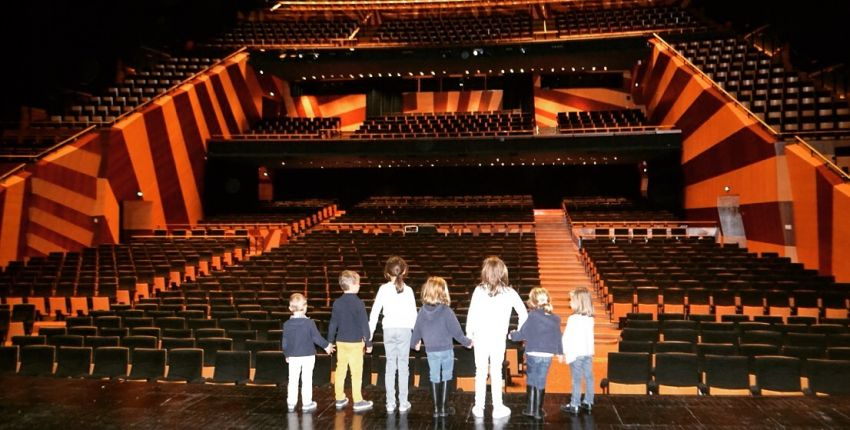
(487, 325)
(398, 304)
(349, 327)
(542, 335)
(299, 336)
(437, 325)
(578, 343)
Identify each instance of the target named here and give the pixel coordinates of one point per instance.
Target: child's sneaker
(342, 403)
(501, 411)
(290, 408)
(309, 407)
(404, 406)
(363, 405)
(390, 408)
(478, 411)
(570, 409)
(587, 408)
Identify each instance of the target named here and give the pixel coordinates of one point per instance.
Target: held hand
(562, 359)
(418, 345)
(471, 344)
(287, 359)
(368, 350)
(330, 349)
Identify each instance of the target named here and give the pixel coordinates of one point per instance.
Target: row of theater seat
(285, 33)
(454, 30)
(583, 22)
(452, 124)
(621, 118)
(715, 372)
(186, 364)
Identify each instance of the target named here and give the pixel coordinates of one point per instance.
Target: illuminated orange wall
(70, 199)
(721, 146)
(821, 208)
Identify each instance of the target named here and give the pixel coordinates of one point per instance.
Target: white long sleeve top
(578, 338)
(399, 309)
(489, 316)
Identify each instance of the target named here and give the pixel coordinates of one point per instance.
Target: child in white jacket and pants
(487, 325)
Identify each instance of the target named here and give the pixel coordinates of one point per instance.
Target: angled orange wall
(721, 146)
(70, 199)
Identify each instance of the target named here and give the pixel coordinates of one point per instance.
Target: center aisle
(561, 271)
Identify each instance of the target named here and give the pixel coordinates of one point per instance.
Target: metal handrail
(714, 83)
(12, 172)
(817, 154)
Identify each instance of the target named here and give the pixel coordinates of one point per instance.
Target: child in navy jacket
(299, 336)
(542, 335)
(436, 325)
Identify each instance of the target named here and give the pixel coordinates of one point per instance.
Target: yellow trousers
(349, 355)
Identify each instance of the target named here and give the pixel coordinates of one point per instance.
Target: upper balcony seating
(783, 99)
(312, 32)
(643, 19)
(454, 31)
(576, 121)
(302, 128)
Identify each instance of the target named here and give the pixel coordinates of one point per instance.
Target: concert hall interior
(666, 182)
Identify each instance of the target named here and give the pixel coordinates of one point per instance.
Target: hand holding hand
(418, 345)
(330, 349)
(368, 350)
(287, 359)
(471, 344)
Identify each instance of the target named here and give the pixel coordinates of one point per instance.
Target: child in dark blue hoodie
(542, 335)
(436, 325)
(299, 336)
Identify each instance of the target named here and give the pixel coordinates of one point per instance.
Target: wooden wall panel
(547, 103)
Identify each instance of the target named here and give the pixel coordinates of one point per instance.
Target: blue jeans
(536, 371)
(580, 369)
(444, 360)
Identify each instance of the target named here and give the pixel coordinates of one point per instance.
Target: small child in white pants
(487, 325)
(299, 336)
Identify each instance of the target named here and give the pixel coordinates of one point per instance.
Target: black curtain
(380, 102)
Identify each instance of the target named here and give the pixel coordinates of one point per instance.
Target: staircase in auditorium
(561, 271)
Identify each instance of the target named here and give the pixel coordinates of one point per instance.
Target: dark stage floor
(37, 403)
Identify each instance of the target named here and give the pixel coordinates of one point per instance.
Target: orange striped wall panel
(452, 101)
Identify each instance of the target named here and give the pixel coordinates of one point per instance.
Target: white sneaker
(290, 408)
(478, 411)
(390, 408)
(501, 411)
(404, 406)
(309, 407)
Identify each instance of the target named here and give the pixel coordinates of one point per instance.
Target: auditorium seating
(729, 275)
(663, 19)
(610, 210)
(454, 30)
(449, 124)
(578, 121)
(134, 90)
(784, 99)
(307, 32)
(298, 128)
(486, 209)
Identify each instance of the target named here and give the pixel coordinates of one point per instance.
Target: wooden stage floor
(42, 403)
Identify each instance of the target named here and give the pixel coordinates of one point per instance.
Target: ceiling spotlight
(139, 194)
